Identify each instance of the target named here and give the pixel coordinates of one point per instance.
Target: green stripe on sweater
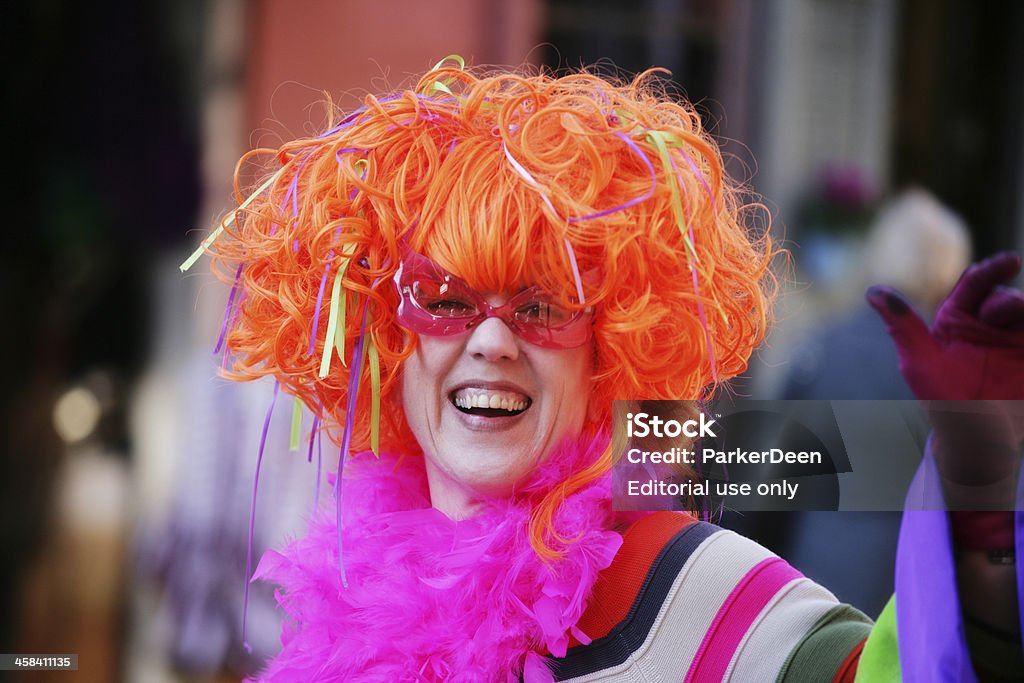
(820, 653)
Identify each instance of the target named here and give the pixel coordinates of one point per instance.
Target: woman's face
(535, 398)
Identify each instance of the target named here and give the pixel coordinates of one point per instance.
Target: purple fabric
(929, 625)
(1018, 523)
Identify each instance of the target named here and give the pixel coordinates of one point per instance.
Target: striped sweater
(688, 601)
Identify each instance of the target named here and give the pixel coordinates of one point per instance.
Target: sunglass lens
(443, 299)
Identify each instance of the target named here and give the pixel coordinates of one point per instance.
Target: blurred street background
(886, 138)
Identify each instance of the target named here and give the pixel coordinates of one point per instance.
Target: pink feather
(433, 599)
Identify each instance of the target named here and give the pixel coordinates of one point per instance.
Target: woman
(461, 278)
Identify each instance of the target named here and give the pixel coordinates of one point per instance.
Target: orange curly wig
(502, 179)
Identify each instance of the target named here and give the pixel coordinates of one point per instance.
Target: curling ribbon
(319, 300)
(662, 140)
(442, 86)
(296, 431)
(212, 237)
(312, 434)
(346, 437)
(292, 195)
(332, 327)
(374, 359)
(543, 195)
(234, 319)
(693, 275)
(635, 200)
(228, 309)
(319, 461)
(339, 331)
(335, 338)
(252, 517)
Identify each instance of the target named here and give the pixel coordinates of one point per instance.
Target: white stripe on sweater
(705, 581)
(783, 622)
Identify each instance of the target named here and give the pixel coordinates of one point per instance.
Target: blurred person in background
(915, 245)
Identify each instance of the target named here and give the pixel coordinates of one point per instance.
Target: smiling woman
(495, 382)
(494, 259)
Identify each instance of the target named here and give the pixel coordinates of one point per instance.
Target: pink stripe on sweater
(735, 617)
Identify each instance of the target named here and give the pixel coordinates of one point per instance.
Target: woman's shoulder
(678, 585)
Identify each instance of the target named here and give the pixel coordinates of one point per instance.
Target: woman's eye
(448, 308)
(441, 299)
(542, 313)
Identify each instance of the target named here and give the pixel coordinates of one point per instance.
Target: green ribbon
(334, 330)
(662, 141)
(293, 443)
(374, 358)
(443, 85)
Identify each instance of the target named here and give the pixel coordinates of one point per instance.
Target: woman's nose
(492, 340)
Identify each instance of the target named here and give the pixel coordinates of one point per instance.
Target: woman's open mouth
(489, 402)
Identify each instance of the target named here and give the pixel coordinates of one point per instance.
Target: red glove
(975, 347)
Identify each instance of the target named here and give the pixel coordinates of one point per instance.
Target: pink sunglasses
(436, 303)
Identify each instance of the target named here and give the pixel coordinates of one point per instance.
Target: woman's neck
(448, 496)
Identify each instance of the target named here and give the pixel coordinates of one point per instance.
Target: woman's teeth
(493, 400)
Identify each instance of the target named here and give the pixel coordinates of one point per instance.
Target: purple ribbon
(319, 301)
(234, 319)
(703, 180)
(693, 270)
(252, 517)
(319, 469)
(312, 435)
(227, 310)
(635, 200)
(293, 192)
(346, 437)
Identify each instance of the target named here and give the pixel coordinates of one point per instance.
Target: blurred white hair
(917, 245)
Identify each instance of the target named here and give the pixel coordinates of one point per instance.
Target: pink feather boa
(434, 599)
